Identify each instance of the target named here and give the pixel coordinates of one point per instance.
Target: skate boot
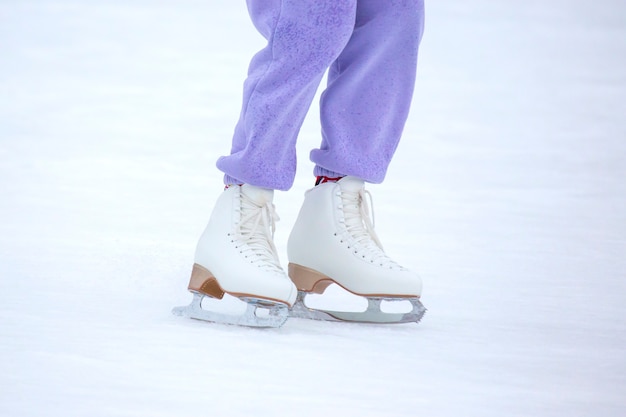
(236, 255)
(333, 241)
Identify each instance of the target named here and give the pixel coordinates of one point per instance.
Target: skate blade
(277, 313)
(373, 313)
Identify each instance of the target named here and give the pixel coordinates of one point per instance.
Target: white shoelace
(360, 228)
(256, 233)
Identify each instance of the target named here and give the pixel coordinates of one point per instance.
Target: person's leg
(304, 38)
(370, 86)
(236, 254)
(363, 113)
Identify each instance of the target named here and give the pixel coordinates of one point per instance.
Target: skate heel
(202, 281)
(308, 280)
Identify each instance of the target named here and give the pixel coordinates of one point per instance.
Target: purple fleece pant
(369, 48)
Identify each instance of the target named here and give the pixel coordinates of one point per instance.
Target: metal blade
(373, 313)
(276, 316)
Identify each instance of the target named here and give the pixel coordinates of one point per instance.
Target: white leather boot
(333, 241)
(236, 255)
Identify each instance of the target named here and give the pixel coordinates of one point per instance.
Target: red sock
(321, 179)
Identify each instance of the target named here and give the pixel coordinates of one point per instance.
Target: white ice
(507, 194)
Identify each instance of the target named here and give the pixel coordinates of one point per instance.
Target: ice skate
(236, 256)
(333, 241)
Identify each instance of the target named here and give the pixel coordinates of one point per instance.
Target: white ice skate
(333, 241)
(236, 255)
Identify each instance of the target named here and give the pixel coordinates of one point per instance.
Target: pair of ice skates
(333, 241)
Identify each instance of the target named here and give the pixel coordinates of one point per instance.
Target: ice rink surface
(507, 194)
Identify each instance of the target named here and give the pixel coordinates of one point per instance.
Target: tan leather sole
(309, 280)
(204, 282)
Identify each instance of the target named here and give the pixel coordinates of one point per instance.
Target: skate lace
(360, 228)
(256, 233)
